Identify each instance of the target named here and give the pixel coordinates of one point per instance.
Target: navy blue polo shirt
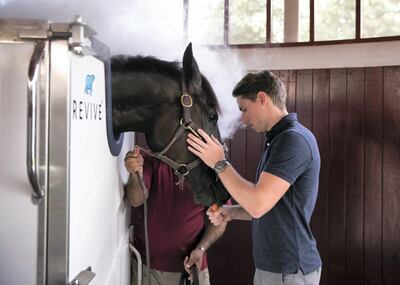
(282, 238)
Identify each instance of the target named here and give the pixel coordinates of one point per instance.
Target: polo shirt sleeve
(290, 155)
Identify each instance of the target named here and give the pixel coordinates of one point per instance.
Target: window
(380, 18)
(290, 23)
(304, 20)
(206, 21)
(280, 22)
(247, 21)
(278, 14)
(335, 20)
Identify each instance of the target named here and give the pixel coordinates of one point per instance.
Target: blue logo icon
(89, 84)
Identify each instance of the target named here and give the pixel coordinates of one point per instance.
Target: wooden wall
(355, 115)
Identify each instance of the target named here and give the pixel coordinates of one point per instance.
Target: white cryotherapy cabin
(63, 217)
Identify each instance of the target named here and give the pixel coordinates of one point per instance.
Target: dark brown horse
(166, 101)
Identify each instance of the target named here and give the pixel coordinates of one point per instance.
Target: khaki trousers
(164, 278)
(270, 278)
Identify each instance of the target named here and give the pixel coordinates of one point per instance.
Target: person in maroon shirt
(178, 235)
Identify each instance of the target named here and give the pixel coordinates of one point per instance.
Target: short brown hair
(265, 81)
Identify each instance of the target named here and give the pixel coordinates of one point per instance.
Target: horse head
(166, 102)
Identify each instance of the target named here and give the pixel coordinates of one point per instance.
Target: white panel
(18, 215)
(98, 214)
(311, 57)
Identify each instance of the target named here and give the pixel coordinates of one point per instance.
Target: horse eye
(213, 117)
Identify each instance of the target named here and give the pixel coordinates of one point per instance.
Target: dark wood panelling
(373, 176)
(354, 176)
(304, 97)
(222, 247)
(283, 76)
(336, 262)
(288, 78)
(320, 122)
(239, 253)
(240, 231)
(291, 91)
(391, 176)
(238, 151)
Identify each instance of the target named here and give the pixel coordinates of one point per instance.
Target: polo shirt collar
(285, 123)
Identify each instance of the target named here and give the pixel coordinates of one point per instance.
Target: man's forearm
(134, 190)
(211, 235)
(239, 213)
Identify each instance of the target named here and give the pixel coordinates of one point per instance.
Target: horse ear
(191, 69)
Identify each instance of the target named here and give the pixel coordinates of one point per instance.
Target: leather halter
(185, 124)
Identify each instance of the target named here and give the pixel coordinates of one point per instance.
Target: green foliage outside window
(247, 21)
(304, 21)
(335, 19)
(380, 18)
(278, 12)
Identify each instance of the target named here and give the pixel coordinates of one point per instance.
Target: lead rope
(146, 233)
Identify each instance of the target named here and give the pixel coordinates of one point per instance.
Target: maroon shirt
(175, 222)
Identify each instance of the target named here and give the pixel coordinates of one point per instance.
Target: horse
(165, 101)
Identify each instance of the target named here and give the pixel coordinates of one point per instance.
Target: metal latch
(79, 41)
(84, 277)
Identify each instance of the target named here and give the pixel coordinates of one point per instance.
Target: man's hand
(196, 257)
(134, 161)
(210, 150)
(221, 215)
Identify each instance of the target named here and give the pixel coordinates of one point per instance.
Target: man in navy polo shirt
(281, 202)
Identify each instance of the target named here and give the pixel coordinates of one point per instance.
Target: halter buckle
(186, 101)
(182, 170)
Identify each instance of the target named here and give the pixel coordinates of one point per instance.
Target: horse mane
(172, 69)
(145, 64)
